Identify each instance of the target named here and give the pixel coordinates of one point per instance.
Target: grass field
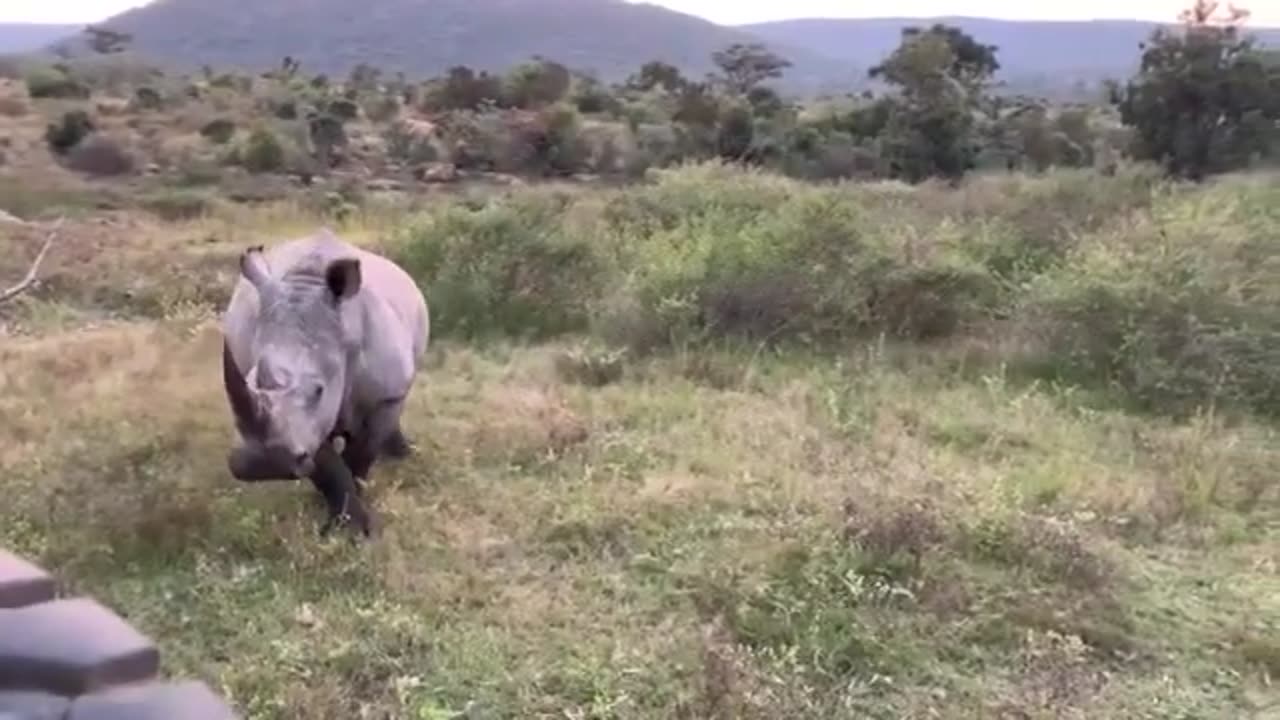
(719, 446)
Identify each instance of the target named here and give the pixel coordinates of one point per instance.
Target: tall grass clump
(503, 268)
(703, 253)
(711, 254)
(1168, 294)
(1178, 310)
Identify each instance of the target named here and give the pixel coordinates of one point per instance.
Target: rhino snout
(303, 463)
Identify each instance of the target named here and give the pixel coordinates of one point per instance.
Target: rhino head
(289, 402)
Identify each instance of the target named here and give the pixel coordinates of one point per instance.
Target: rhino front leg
(335, 482)
(368, 442)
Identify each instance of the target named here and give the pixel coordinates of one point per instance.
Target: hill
(610, 37)
(1029, 52)
(26, 37)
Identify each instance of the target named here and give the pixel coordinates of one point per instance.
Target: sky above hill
(1265, 12)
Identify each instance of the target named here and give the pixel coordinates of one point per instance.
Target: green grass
(857, 524)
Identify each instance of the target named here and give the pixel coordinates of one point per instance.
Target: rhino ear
(343, 278)
(253, 266)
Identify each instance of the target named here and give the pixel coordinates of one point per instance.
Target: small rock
(384, 185)
(437, 172)
(8, 218)
(306, 617)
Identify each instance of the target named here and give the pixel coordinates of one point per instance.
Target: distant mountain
(28, 37)
(610, 37)
(1062, 52)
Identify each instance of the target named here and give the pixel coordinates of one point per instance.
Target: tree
(537, 84)
(328, 136)
(971, 62)
(289, 67)
(941, 76)
(1204, 99)
(928, 61)
(745, 66)
(364, 77)
(464, 89)
(657, 74)
(107, 42)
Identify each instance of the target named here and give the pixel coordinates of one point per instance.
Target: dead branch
(30, 278)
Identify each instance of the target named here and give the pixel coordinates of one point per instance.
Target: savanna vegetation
(919, 405)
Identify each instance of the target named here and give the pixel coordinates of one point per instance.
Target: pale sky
(1265, 12)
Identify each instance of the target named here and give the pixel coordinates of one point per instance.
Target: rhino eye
(316, 393)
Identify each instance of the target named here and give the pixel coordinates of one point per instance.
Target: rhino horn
(253, 266)
(248, 414)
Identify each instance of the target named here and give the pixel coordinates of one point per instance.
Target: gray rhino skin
(332, 337)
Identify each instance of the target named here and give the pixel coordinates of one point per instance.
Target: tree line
(1205, 99)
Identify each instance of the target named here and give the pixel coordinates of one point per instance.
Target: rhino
(322, 342)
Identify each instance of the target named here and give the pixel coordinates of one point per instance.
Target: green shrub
(504, 268)
(746, 255)
(344, 109)
(548, 143)
(1042, 221)
(706, 253)
(262, 152)
(1168, 297)
(478, 141)
(382, 109)
(285, 109)
(219, 130)
(408, 145)
(73, 127)
(147, 98)
(52, 82)
(100, 155)
(1176, 312)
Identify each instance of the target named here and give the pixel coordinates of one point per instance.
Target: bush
(408, 143)
(1176, 312)
(752, 257)
(285, 109)
(262, 152)
(382, 109)
(52, 82)
(100, 155)
(549, 143)
(344, 109)
(195, 170)
(74, 126)
(219, 131)
(479, 141)
(1174, 305)
(704, 254)
(503, 268)
(147, 98)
